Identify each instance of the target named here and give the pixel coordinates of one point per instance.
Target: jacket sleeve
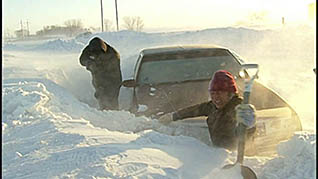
(117, 56)
(116, 71)
(111, 61)
(192, 111)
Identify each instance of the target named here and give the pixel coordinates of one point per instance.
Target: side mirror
(129, 83)
(314, 70)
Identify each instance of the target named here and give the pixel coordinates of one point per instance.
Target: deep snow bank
(49, 133)
(61, 46)
(297, 158)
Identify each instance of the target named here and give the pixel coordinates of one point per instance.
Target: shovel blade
(246, 172)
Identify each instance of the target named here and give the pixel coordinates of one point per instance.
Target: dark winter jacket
(222, 123)
(103, 61)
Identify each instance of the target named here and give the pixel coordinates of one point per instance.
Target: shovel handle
(242, 133)
(241, 143)
(245, 171)
(241, 127)
(246, 97)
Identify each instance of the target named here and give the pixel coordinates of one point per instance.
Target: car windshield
(239, 58)
(184, 69)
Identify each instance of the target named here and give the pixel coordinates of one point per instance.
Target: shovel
(246, 172)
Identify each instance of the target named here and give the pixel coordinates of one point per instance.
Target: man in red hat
(224, 111)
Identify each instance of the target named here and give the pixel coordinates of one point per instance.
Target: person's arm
(245, 113)
(119, 67)
(111, 63)
(193, 111)
(117, 61)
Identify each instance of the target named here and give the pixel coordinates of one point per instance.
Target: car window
(178, 70)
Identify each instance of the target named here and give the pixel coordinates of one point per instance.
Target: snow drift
(52, 129)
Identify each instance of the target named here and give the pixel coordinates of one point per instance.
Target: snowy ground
(51, 128)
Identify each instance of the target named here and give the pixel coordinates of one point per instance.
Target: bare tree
(108, 25)
(133, 23)
(74, 23)
(139, 24)
(73, 26)
(128, 23)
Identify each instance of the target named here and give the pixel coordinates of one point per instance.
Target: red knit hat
(223, 81)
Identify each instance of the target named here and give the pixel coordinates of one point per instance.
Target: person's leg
(108, 98)
(114, 100)
(104, 103)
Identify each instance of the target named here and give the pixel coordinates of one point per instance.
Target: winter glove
(245, 113)
(166, 119)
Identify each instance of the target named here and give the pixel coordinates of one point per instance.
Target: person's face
(220, 98)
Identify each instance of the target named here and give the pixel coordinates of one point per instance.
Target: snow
(297, 158)
(51, 127)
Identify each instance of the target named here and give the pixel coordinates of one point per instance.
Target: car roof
(176, 48)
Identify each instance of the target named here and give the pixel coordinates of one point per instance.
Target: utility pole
(116, 14)
(102, 17)
(28, 30)
(21, 28)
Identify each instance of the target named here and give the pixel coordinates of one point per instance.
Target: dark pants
(107, 98)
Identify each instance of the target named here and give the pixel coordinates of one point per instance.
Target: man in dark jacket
(103, 61)
(224, 111)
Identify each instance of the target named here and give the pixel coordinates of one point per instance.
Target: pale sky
(156, 14)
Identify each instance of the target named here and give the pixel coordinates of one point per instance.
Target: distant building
(22, 33)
